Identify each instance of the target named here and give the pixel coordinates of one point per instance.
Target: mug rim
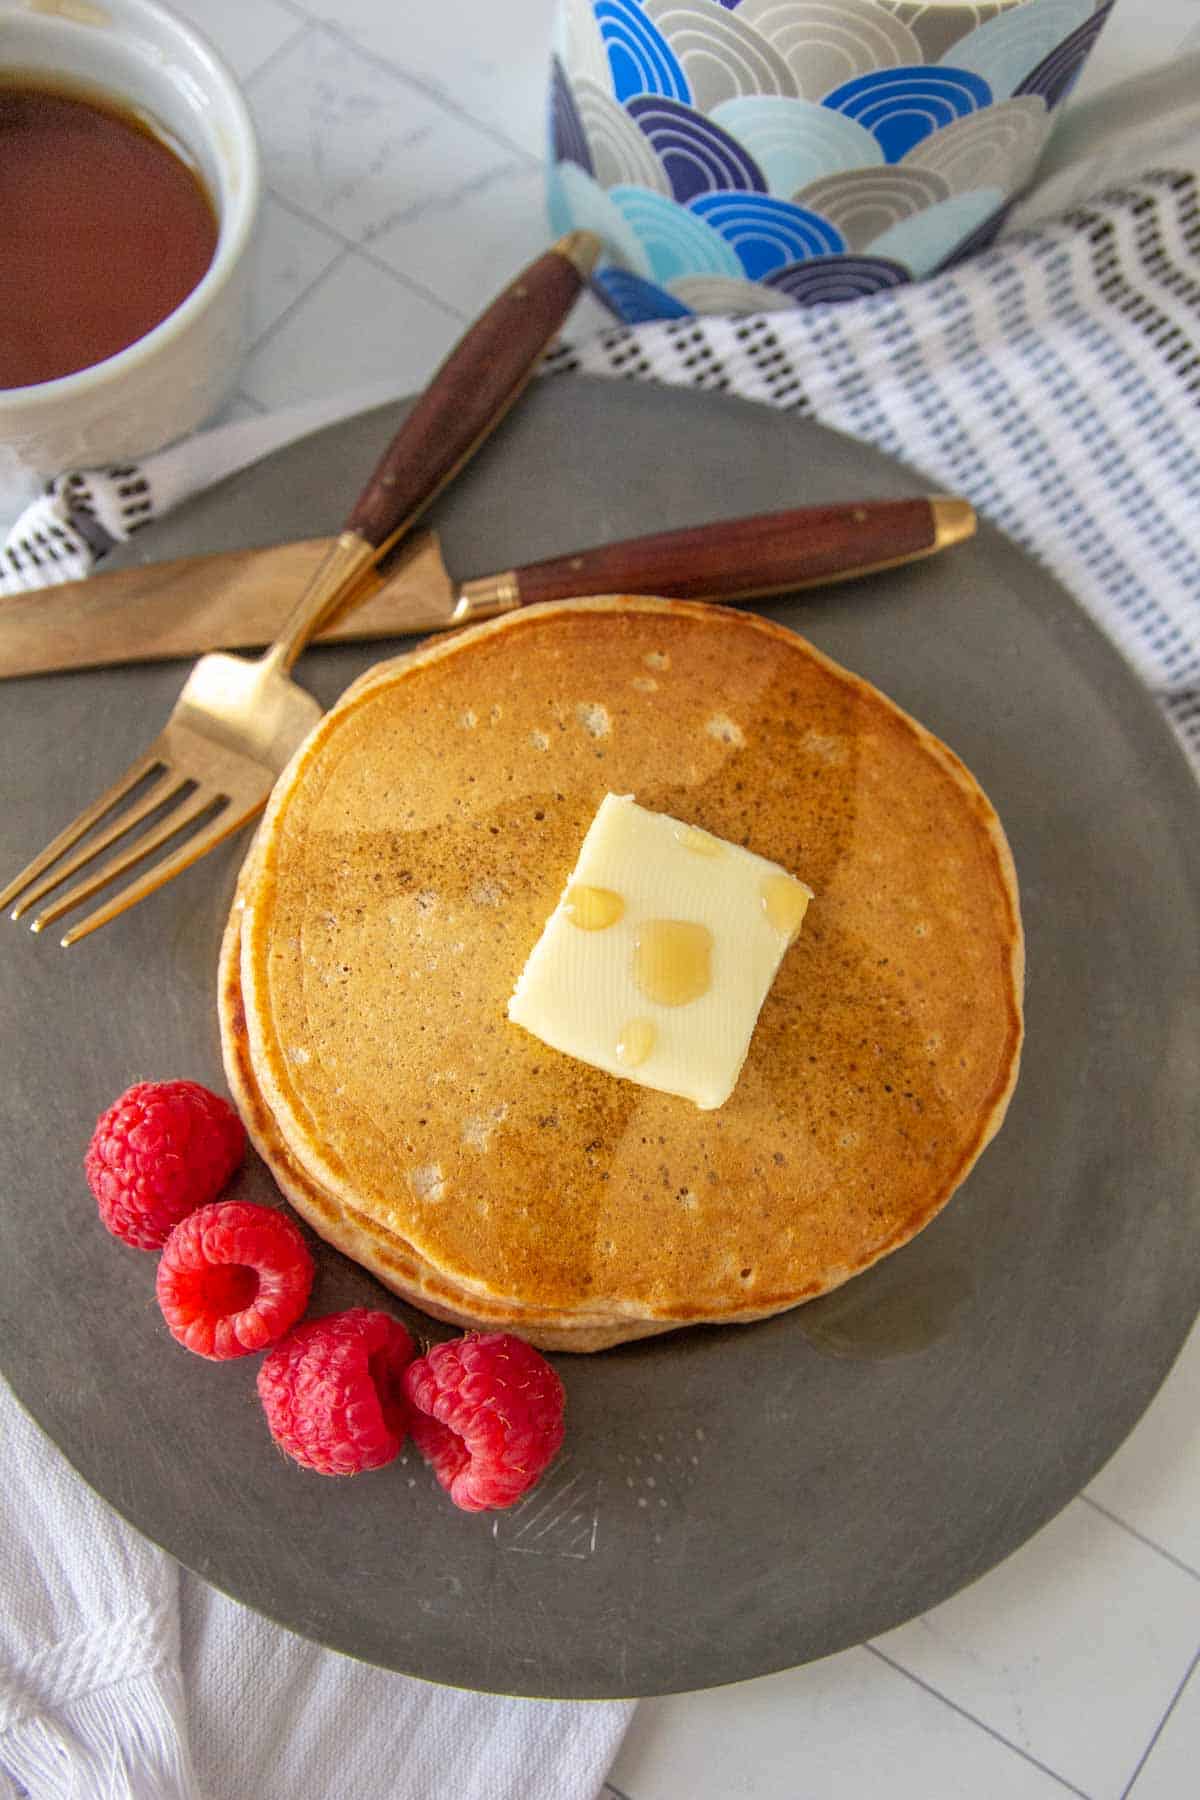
(235, 222)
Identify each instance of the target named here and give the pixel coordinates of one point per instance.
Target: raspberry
(233, 1278)
(160, 1151)
(332, 1391)
(487, 1417)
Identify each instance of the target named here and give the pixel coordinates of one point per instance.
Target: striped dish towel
(63, 533)
(1054, 380)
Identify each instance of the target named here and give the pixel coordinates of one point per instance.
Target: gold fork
(237, 722)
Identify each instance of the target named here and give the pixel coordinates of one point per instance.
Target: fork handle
(467, 398)
(472, 390)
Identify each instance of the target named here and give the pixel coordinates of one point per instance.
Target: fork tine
(90, 816)
(223, 825)
(189, 812)
(159, 795)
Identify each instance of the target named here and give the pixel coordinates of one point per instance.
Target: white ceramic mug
(174, 377)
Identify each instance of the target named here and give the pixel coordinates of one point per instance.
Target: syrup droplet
(672, 961)
(636, 1042)
(785, 902)
(701, 842)
(592, 908)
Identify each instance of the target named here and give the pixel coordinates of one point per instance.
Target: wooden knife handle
(472, 390)
(764, 554)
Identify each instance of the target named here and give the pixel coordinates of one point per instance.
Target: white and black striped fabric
(67, 530)
(1054, 380)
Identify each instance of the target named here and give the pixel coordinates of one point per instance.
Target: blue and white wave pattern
(747, 154)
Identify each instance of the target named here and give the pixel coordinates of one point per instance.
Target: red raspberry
(160, 1151)
(233, 1278)
(487, 1417)
(333, 1394)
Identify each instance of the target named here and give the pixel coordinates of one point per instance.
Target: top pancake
(408, 862)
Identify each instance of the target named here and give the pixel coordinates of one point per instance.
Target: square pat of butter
(660, 953)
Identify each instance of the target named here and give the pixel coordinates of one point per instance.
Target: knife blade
(237, 599)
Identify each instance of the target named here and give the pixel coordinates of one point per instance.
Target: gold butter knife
(237, 599)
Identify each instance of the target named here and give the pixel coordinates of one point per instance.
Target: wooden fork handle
(472, 390)
(466, 399)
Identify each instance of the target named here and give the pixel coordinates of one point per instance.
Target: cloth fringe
(125, 1741)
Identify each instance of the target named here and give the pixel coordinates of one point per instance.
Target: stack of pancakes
(408, 861)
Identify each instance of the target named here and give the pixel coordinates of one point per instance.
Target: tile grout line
(406, 281)
(431, 91)
(419, 211)
(1175, 1699)
(307, 25)
(273, 56)
(1150, 1543)
(297, 300)
(306, 218)
(981, 1723)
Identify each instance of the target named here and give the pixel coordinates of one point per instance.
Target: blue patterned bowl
(750, 155)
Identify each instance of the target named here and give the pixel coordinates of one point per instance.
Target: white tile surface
(849, 1728)
(246, 32)
(357, 146)
(1153, 1481)
(1172, 1768)
(1071, 1650)
(499, 226)
(357, 325)
(487, 57)
(290, 254)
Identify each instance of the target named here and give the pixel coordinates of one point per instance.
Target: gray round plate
(730, 1501)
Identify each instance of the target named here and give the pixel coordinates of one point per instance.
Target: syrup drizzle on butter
(700, 842)
(593, 908)
(636, 1043)
(672, 961)
(785, 903)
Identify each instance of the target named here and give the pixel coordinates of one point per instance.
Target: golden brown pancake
(408, 861)
(392, 1260)
(395, 1263)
